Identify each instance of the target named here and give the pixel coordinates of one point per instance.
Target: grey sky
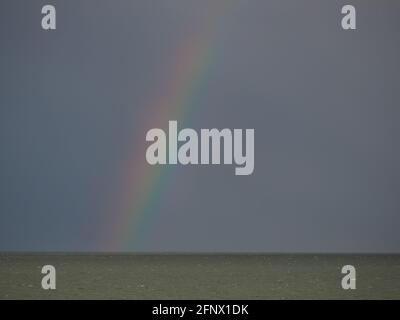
(324, 104)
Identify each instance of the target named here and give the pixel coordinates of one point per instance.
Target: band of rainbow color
(143, 184)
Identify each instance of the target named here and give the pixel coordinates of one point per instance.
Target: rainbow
(142, 185)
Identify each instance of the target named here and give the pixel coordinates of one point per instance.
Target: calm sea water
(118, 276)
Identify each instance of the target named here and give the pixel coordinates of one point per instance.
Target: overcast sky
(324, 104)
